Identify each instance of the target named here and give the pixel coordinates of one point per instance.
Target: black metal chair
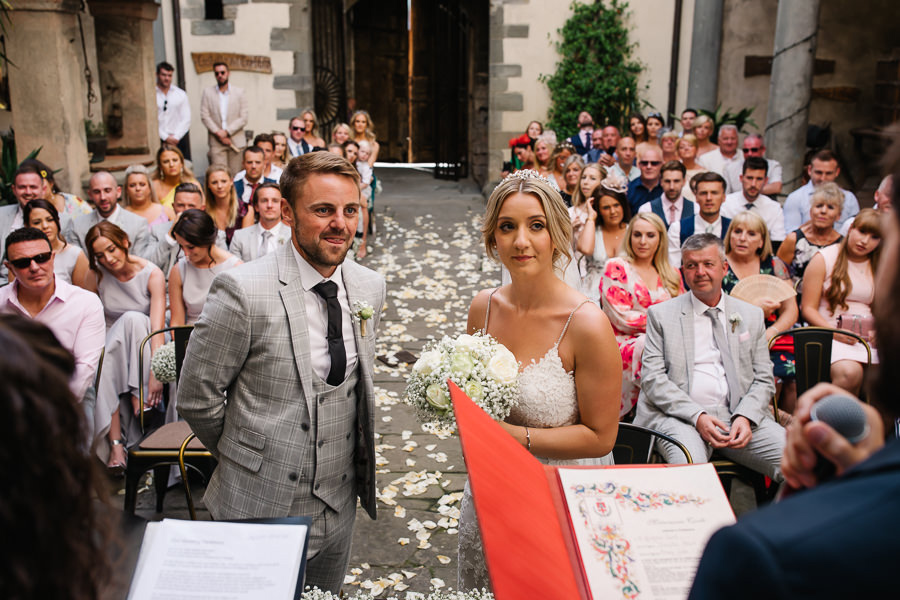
(635, 445)
(160, 449)
(812, 353)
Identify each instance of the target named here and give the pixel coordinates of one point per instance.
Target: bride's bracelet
(527, 440)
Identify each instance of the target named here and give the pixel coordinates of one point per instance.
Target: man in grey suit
(270, 233)
(104, 192)
(224, 112)
(27, 185)
(707, 377)
(280, 338)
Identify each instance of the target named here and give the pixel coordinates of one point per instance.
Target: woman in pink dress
(630, 286)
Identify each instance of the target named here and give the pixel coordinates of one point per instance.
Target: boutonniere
(735, 320)
(362, 312)
(281, 241)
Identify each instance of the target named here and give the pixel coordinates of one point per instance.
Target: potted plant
(96, 140)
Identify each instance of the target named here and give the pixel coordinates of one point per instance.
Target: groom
(278, 340)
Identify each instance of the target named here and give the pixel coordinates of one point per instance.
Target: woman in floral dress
(630, 286)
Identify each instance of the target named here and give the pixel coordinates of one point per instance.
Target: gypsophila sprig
(163, 363)
(481, 366)
(317, 594)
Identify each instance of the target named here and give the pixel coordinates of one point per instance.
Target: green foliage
(596, 71)
(739, 119)
(8, 165)
(94, 130)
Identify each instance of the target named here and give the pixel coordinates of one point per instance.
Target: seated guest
(133, 292)
(558, 160)
(171, 171)
(258, 240)
(580, 212)
(69, 262)
(802, 244)
(335, 148)
(839, 282)
(751, 198)
(572, 176)
(671, 207)
(543, 149)
(687, 154)
(280, 156)
(703, 130)
(351, 151)
(581, 141)
(637, 128)
(726, 154)
(654, 124)
(252, 176)
(629, 287)
(710, 196)
(67, 205)
(749, 252)
(27, 185)
(646, 187)
(603, 233)
(50, 485)
(707, 377)
(668, 141)
(104, 192)
(524, 151)
(140, 199)
(883, 201)
(222, 203)
(270, 170)
(604, 148)
(74, 315)
(625, 153)
(823, 168)
(190, 279)
(754, 146)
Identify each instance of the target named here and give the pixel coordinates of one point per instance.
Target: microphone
(844, 415)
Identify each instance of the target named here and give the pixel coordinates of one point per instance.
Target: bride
(569, 387)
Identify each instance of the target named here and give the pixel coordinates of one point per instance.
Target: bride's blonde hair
(559, 225)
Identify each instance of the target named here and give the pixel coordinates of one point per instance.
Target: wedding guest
(558, 159)
(222, 202)
(269, 234)
(637, 125)
(707, 218)
(167, 250)
(668, 141)
(572, 176)
(568, 391)
(133, 292)
(653, 124)
(839, 282)
(748, 249)
(630, 285)
(688, 146)
(535, 129)
(281, 156)
(67, 205)
(191, 277)
(340, 133)
(603, 233)
(310, 124)
(364, 130)
(69, 262)
(703, 130)
(170, 172)
(138, 197)
(817, 233)
(543, 149)
(523, 149)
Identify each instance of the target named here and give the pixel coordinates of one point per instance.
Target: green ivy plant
(596, 71)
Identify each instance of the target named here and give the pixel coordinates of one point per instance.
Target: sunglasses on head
(647, 163)
(24, 263)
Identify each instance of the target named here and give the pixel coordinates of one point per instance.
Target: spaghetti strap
(571, 314)
(487, 313)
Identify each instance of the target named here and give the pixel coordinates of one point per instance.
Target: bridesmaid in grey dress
(194, 272)
(133, 292)
(69, 264)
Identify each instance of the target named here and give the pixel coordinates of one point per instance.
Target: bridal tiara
(525, 175)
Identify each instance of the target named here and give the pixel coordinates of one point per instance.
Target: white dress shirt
(633, 174)
(700, 226)
(272, 242)
(317, 318)
(667, 206)
(733, 174)
(715, 161)
(223, 106)
(770, 211)
(709, 387)
(798, 202)
(174, 113)
(295, 148)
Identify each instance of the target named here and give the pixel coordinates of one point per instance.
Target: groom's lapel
(292, 296)
(356, 293)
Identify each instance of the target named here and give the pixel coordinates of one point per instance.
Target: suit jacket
(7, 214)
(245, 242)
(656, 207)
(238, 113)
(668, 362)
(135, 226)
(163, 253)
(251, 344)
(837, 540)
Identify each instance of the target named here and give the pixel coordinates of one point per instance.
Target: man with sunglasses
(224, 112)
(646, 188)
(754, 146)
(74, 315)
(173, 109)
(296, 144)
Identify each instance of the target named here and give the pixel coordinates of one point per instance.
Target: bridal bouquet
(482, 367)
(162, 363)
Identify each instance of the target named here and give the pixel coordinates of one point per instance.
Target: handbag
(862, 325)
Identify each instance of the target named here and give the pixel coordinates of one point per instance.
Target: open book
(630, 532)
(261, 560)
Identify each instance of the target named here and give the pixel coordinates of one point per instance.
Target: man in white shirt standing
(224, 112)
(707, 218)
(753, 180)
(269, 234)
(173, 109)
(726, 154)
(822, 168)
(707, 377)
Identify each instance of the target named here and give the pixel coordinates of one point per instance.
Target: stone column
(790, 88)
(706, 45)
(124, 35)
(47, 87)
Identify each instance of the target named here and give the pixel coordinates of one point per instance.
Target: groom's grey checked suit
(665, 403)
(287, 443)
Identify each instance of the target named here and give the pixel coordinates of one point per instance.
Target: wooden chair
(161, 448)
(635, 445)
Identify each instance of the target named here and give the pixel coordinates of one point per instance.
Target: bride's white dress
(546, 399)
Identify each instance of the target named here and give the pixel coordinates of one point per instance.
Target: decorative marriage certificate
(640, 532)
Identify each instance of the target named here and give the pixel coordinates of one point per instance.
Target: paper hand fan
(762, 287)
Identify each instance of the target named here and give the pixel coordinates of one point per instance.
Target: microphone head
(844, 415)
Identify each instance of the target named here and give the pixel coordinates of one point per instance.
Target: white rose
(474, 390)
(427, 363)
(461, 364)
(503, 366)
(437, 397)
(466, 343)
